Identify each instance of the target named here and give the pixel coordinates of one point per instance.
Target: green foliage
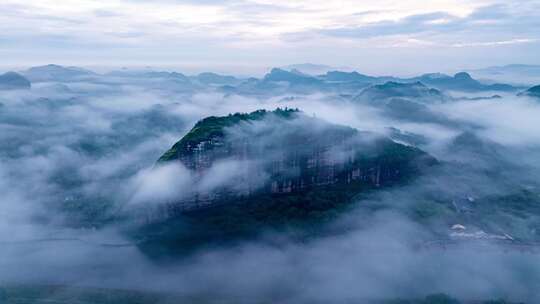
(214, 126)
(303, 214)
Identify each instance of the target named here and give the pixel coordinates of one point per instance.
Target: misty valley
(151, 186)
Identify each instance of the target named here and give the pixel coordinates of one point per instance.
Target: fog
(75, 155)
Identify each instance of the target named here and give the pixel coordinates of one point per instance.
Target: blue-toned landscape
(187, 152)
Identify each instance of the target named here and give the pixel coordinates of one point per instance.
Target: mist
(77, 155)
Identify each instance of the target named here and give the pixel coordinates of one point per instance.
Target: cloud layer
(77, 153)
(250, 32)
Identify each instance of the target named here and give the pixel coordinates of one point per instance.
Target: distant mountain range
(460, 82)
(277, 81)
(313, 69)
(512, 73)
(53, 72)
(289, 167)
(532, 92)
(414, 90)
(524, 69)
(292, 77)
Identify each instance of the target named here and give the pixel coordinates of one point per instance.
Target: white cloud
(495, 43)
(253, 32)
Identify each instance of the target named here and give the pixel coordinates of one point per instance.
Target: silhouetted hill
(213, 78)
(13, 81)
(460, 82)
(53, 72)
(348, 77)
(533, 92)
(289, 169)
(415, 90)
(293, 77)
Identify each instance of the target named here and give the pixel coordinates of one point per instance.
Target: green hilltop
(214, 126)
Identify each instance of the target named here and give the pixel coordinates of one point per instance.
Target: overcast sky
(373, 36)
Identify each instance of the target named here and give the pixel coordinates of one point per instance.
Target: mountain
(512, 73)
(460, 82)
(160, 75)
(280, 81)
(166, 75)
(416, 91)
(13, 81)
(293, 77)
(213, 78)
(492, 97)
(53, 72)
(533, 92)
(274, 168)
(310, 68)
(404, 101)
(528, 69)
(339, 76)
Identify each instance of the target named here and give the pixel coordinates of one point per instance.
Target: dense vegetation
(213, 126)
(305, 210)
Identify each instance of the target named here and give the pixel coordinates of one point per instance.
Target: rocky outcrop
(286, 152)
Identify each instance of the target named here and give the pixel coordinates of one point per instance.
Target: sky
(372, 36)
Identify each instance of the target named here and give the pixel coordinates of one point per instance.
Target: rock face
(287, 152)
(13, 81)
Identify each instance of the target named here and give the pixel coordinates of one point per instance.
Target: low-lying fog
(74, 153)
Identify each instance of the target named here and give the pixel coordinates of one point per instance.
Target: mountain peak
(13, 81)
(309, 68)
(353, 76)
(432, 76)
(54, 72)
(463, 76)
(286, 152)
(391, 89)
(213, 126)
(294, 76)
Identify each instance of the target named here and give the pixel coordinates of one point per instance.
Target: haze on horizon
(248, 36)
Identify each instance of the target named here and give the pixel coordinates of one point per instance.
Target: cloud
(442, 29)
(79, 153)
(161, 184)
(248, 32)
(495, 43)
(511, 122)
(408, 25)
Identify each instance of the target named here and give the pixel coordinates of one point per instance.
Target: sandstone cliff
(286, 152)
